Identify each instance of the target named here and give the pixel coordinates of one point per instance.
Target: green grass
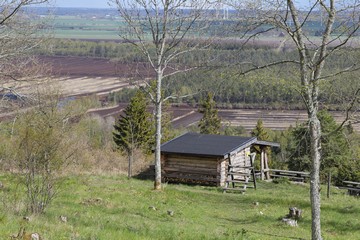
(113, 207)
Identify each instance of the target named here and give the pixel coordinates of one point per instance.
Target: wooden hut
(204, 159)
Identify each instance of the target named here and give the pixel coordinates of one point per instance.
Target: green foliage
(210, 123)
(134, 128)
(335, 151)
(260, 132)
(122, 96)
(40, 151)
(234, 130)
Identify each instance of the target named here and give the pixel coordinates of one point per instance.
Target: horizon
(105, 5)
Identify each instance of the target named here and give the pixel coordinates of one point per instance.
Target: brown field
(75, 67)
(185, 116)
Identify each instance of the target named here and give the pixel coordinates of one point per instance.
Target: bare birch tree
(161, 31)
(19, 35)
(339, 24)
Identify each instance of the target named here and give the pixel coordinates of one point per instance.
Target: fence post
(328, 184)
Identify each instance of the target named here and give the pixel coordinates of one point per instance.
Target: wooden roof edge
(197, 154)
(266, 143)
(243, 146)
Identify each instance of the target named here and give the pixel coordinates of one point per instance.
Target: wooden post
(328, 185)
(262, 160)
(252, 161)
(267, 173)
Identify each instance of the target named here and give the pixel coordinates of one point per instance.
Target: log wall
(191, 169)
(200, 170)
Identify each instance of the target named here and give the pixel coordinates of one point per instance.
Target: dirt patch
(95, 67)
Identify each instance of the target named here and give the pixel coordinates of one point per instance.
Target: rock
(26, 218)
(152, 208)
(35, 236)
(63, 218)
(170, 213)
(1, 185)
(290, 222)
(256, 203)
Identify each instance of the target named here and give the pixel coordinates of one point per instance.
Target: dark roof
(207, 145)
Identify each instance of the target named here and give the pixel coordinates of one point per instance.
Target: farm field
(114, 207)
(185, 116)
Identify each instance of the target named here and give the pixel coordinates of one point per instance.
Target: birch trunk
(315, 136)
(158, 114)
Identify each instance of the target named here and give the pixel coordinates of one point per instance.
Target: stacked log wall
(191, 169)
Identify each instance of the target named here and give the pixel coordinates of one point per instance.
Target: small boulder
(152, 208)
(63, 218)
(35, 236)
(170, 213)
(290, 222)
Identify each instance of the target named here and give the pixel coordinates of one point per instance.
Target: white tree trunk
(158, 114)
(315, 135)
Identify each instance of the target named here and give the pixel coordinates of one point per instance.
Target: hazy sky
(82, 3)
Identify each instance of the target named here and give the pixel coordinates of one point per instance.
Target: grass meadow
(114, 207)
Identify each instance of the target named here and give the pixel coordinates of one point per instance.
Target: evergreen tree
(210, 122)
(261, 133)
(133, 130)
(335, 151)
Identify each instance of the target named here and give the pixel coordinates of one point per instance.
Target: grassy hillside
(113, 207)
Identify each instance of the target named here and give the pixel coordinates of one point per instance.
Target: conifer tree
(133, 129)
(335, 151)
(261, 133)
(210, 122)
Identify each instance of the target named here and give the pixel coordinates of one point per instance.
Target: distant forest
(275, 87)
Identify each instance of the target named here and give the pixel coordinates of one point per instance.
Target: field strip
(183, 116)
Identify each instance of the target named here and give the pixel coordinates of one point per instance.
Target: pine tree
(210, 122)
(261, 133)
(335, 151)
(133, 130)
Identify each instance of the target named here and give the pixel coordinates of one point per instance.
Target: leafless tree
(340, 23)
(19, 35)
(162, 31)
